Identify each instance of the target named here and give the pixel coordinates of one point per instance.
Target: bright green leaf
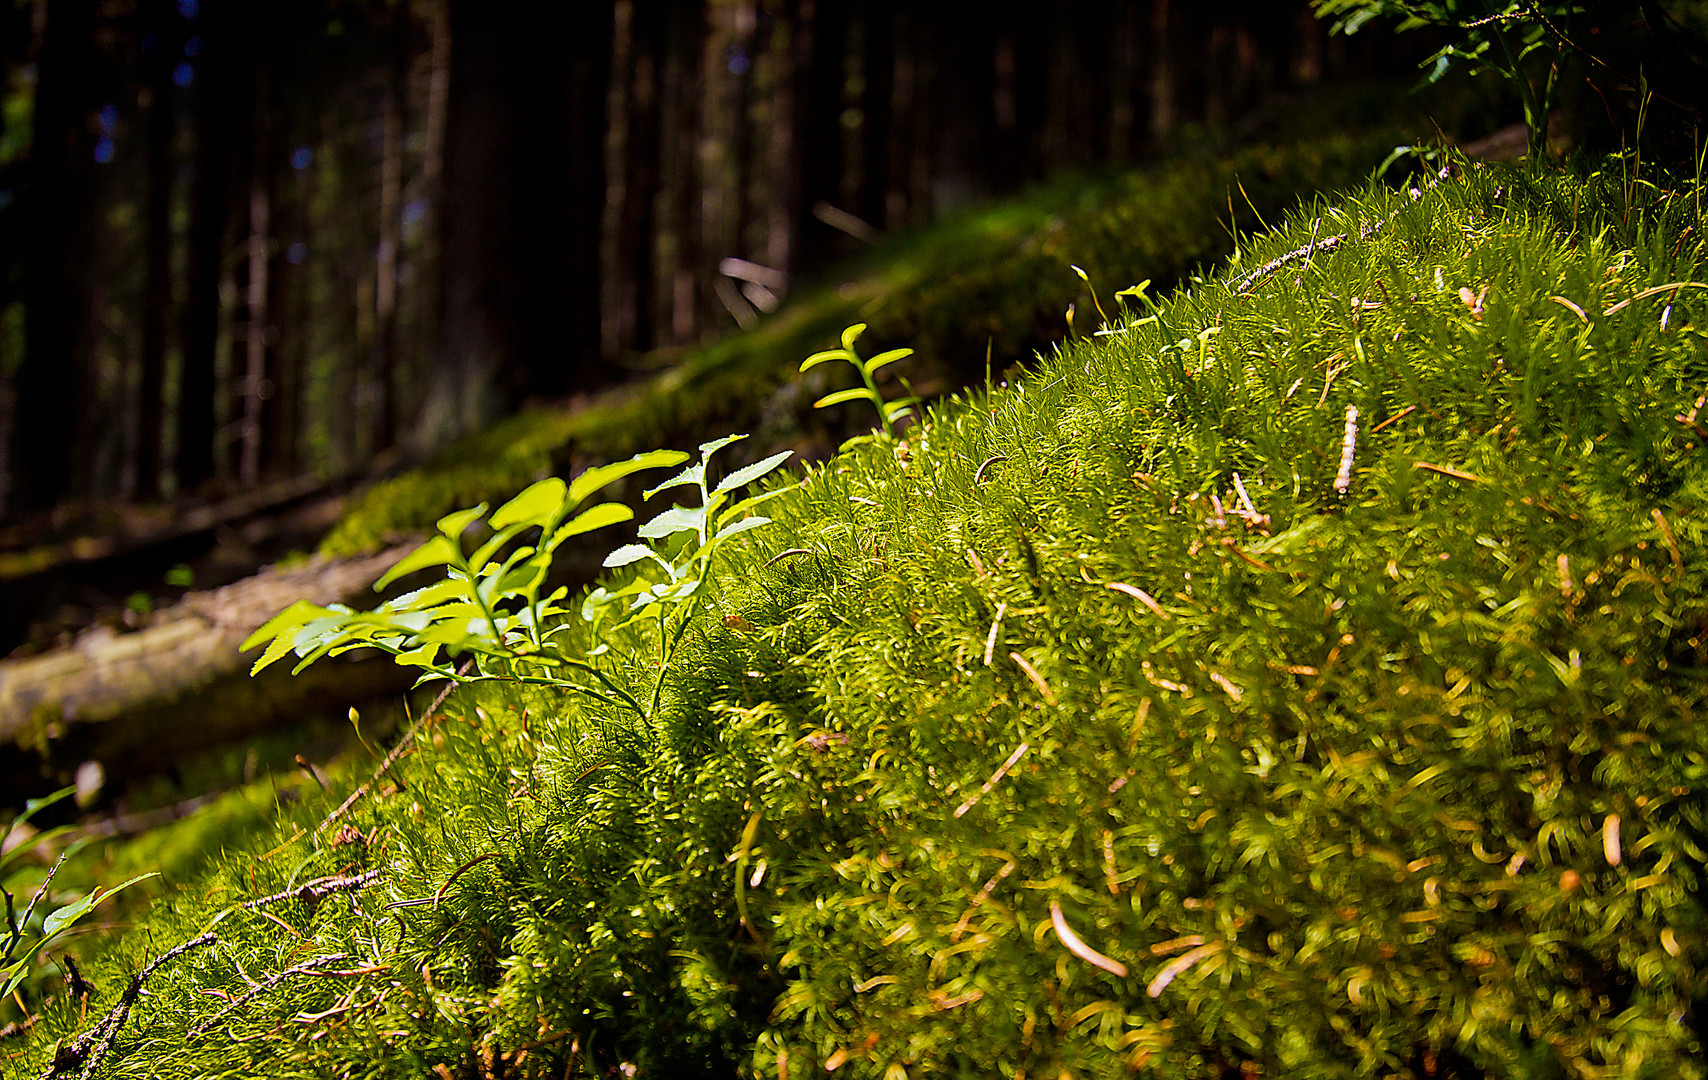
(438, 551)
(743, 477)
(854, 393)
(534, 506)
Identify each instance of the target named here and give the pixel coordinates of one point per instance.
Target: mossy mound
(993, 285)
(1301, 677)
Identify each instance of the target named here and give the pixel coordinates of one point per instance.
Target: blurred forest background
(259, 246)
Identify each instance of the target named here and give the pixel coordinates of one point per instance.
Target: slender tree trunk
(255, 385)
(872, 204)
(217, 99)
(160, 17)
(386, 254)
(685, 91)
(46, 436)
(633, 276)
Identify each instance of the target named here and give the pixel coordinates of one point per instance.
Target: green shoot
(888, 411)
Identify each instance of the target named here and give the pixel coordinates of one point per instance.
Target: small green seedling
(684, 541)
(888, 411)
(21, 939)
(487, 606)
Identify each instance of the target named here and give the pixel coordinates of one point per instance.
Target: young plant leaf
(534, 506)
(674, 520)
(601, 475)
(743, 477)
(884, 358)
(693, 476)
(596, 518)
(283, 624)
(707, 449)
(853, 393)
(439, 551)
(623, 556)
(827, 355)
(453, 524)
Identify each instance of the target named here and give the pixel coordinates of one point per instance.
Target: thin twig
(91, 1048)
(397, 751)
(307, 967)
(29, 909)
(317, 890)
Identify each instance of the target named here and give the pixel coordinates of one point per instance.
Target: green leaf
(818, 358)
(743, 526)
(674, 520)
(483, 554)
(883, 358)
(24, 847)
(595, 518)
(623, 556)
(33, 806)
(743, 477)
(896, 410)
(749, 503)
(276, 649)
(439, 551)
(854, 393)
(534, 506)
(423, 598)
(693, 476)
(282, 624)
(452, 525)
(61, 918)
(599, 476)
(851, 335)
(707, 449)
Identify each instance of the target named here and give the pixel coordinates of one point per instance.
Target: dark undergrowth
(1300, 677)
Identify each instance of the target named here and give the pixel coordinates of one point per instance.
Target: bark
(219, 97)
(637, 192)
(160, 17)
(876, 101)
(56, 336)
(255, 326)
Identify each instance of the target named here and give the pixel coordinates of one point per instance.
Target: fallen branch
(307, 967)
(91, 1048)
(319, 889)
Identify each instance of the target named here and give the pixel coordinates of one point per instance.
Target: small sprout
(888, 411)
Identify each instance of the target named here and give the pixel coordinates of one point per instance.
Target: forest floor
(1295, 674)
(127, 643)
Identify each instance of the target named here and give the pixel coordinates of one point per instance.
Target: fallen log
(137, 701)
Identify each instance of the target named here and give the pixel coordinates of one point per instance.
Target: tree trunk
(160, 17)
(220, 95)
(255, 385)
(46, 436)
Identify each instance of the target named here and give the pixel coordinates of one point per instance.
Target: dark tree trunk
(256, 317)
(872, 203)
(479, 279)
(820, 49)
(633, 270)
(46, 436)
(160, 20)
(686, 179)
(221, 94)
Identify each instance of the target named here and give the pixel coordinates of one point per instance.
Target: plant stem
(1535, 112)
